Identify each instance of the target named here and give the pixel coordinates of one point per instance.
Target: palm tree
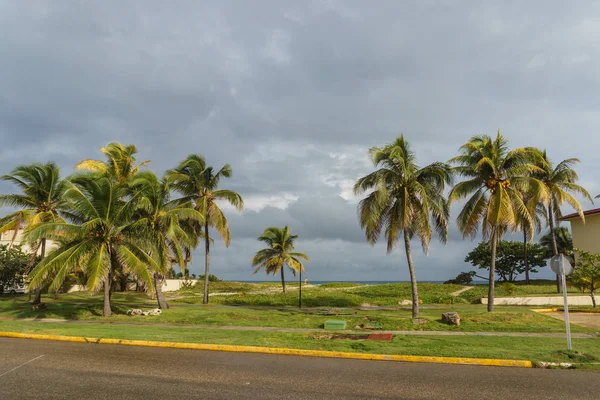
(120, 166)
(563, 240)
(537, 212)
(100, 238)
(560, 183)
(198, 183)
(496, 177)
(40, 202)
(404, 200)
(279, 253)
(161, 218)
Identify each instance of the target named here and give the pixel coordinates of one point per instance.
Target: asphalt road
(32, 369)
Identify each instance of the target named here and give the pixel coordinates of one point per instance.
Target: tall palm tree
(496, 177)
(120, 165)
(560, 183)
(404, 199)
(279, 253)
(99, 238)
(198, 182)
(561, 238)
(161, 219)
(39, 202)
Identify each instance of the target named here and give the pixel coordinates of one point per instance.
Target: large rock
(451, 318)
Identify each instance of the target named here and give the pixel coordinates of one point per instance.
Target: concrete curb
(275, 350)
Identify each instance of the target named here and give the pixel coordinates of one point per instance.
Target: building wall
(586, 236)
(6, 238)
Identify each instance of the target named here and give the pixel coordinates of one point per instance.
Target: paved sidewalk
(591, 320)
(309, 330)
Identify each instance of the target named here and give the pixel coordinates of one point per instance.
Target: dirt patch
(334, 336)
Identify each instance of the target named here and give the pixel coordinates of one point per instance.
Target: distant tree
(279, 253)
(464, 278)
(563, 240)
(509, 258)
(13, 263)
(586, 274)
(404, 201)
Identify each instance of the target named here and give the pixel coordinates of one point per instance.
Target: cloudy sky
(292, 94)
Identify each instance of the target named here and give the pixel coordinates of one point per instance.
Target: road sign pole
(564, 285)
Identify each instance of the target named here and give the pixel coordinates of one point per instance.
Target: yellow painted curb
(276, 350)
(543, 310)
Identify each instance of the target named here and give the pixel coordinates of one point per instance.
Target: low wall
(541, 301)
(169, 285)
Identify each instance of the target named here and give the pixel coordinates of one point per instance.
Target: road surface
(32, 369)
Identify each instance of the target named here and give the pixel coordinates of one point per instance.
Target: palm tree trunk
(282, 279)
(38, 291)
(413, 277)
(158, 283)
(206, 262)
(107, 283)
(526, 257)
(553, 236)
(300, 290)
(493, 243)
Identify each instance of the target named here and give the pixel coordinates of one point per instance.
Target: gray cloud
(293, 94)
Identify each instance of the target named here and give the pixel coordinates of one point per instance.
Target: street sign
(560, 260)
(562, 267)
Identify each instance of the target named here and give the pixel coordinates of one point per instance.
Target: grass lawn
(475, 318)
(523, 348)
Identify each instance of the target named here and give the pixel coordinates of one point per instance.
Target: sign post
(561, 265)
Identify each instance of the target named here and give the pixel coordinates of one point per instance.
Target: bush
(509, 288)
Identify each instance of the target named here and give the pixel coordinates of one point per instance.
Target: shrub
(509, 288)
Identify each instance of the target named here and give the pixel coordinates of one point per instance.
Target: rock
(405, 303)
(39, 307)
(420, 321)
(451, 318)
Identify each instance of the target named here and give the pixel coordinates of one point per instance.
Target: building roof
(588, 212)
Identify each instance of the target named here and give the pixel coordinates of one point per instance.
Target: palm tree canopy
(40, 200)
(164, 220)
(403, 197)
(496, 178)
(199, 183)
(279, 252)
(120, 165)
(99, 236)
(564, 241)
(560, 181)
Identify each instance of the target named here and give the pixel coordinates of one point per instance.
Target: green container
(335, 324)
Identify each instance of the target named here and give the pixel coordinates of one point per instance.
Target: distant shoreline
(357, 282)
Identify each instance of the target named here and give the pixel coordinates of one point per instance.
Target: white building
(9, 237)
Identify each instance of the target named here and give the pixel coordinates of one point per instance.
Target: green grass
(333, 295)
(534, 349)
(339, 285)
(475, 318)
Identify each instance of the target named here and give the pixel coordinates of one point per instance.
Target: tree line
(112, 216)
(505, 190)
